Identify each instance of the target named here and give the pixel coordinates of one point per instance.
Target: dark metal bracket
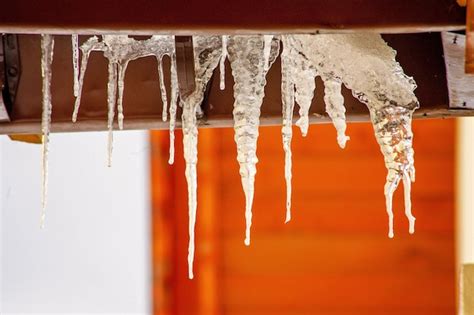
(11, 69)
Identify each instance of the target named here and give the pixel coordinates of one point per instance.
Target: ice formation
(250, 58)
(363, 63)
(207, 53)
(288, 104)
(47, 48)
(120, 50)
(367, 66)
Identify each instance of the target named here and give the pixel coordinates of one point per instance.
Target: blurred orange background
(334, 257)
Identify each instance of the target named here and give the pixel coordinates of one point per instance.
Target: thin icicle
(207, 52)
(288, 100)
(111, 99)
(173, 106)
(390, 187)
(222, 63)
(47, 48)
(190, 140)
(164, 97)
(90, 45)
(75, 62)
(249, 78)
(335, 107)
(407, 193)
(122, 68)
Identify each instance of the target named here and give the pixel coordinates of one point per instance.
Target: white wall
(465, 190)
(93, 255)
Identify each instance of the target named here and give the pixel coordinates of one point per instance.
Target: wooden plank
(318, 254)
(214, 16)
(334, 257)
(339, 292)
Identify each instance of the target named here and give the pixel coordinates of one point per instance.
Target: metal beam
(189, 17)
(421, 56)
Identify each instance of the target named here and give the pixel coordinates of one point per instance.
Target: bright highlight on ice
(363, 63)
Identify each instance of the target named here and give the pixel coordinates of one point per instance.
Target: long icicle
(249, 85)
(122, 68)
(47, 48)
(75, 62)
(407, 193)
(173, 106)
(190, 133)
(164, 97)
(86, 48)
(207, 52)
(111, 99)
(288, 101)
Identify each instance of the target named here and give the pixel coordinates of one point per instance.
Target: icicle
(207, 52)
(392, 127)
(222, 63)
(122, 68)
(90, 45)
(249, 78)
(47, 48)
(303, 77)
(367, 66)
(190, 133)
(120, 50)
(75, 62)
(164, 98)
(335, 107)
(288, 101)
(173, 106)
(111, 99)
(407, 193)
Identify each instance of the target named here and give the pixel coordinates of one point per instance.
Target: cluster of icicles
(364, 63)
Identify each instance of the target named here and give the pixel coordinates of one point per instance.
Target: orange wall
(334, 257)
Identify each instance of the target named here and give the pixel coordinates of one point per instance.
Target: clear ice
(365, 64)
(288, 105)
(222, 63)
(47, 48)
(250, 58)
(75, 62)
(120, 50)
(207, 53)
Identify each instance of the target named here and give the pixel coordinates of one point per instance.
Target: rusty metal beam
(421, 56)
(190, 17)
